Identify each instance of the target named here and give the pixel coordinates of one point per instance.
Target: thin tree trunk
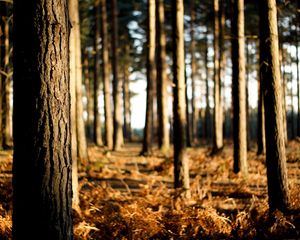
(42, 172)
(163, 138)
(247, 63)
(181, 161)
(207, 108)
(194, 120)
(218, 118)
(106, 78)
(126, 95)
(261, 135)
(187, 113)
(270, 72)
(117, 84)
(6, 83)
(89, 96)
(239, 89)
(97, 121)
(151, 74)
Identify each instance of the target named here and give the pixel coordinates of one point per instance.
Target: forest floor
(127, 196)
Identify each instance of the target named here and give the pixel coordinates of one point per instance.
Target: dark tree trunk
(106, 78)
(42, 165)
(97, 121)
(270, 73)
(239, 89)
(146, 150)
(181, 161)
(117, 84)
(163, 132)
(207, 122)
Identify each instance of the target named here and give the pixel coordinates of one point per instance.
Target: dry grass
(126, 196)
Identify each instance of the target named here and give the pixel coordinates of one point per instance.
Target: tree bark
(106, 78)
(239, 89)
(117, 84)
(181, 161)
(151, 74)
(42, 164)
(207, 108)
(218, 116)
(270, 72)
(162, 95)
(97, 121)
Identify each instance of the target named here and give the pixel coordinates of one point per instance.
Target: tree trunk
(162, 95)
(117, 84)
(126, 95)
(42, 172)
(151, 74)
(97, 121)
(187, 113)
(89, 96)
(106, 78)
(261, 135)
(6, 83)
(207, 126)
(181, 161)
(239, 89)
(270, 72)
(194, 120)
(218, 116)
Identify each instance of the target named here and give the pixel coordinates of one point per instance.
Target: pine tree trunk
(218, 118)
(97, 121)
(239, 89)
(207, 122)
(270, 72)
(261, 134)
(187, 113)
(181, 161)
(6, 83)
(42, 164)
(151, 74)
(194, 120)
(106, 78)
(117, 84)
(162, 95)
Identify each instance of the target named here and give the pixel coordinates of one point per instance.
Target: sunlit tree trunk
(162, 95)
(106, 78)
(181, 161)
(218, 114)
(6, 81)
(117, 84)
(42, 164)
(97, 121)
(270, 72)
(239, 89)
(151, 74)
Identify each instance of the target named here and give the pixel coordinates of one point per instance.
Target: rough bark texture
(239, 89)
(42, 165)
(162, 108)
(270, 72)
(97, 121)
(151, 74)
(106, 78)
(181, 161)
(117, 84)
(218, 116)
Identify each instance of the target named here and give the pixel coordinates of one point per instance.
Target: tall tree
(270, 72)
(42, 161)
(181, 161)
(239, 89)
(117, 84)
(106, 78)
(97, 121)
(298, 72)
(146, 150)
(162, 95)
(207, 122)
(218, 113)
